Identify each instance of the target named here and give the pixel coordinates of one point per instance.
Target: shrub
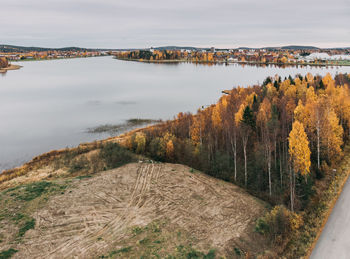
(8, 253)
(237, 251)
(124, 249)
(140, 141)
(115, 155)
(78, 164)
(30, 224)
(278, 224)
(261, 226)
(157, 149)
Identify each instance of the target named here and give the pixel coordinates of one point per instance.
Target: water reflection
(50, 104)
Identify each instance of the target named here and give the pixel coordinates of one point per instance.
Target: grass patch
(188, 252)
(83, 177)
(30, 191)
(116, 252)
(8, 253)
(158, 239)
(79, 164)
(19, 203)
(18, 217)
(30, 224)
(124, 250)
(144, 241)
(137, 230)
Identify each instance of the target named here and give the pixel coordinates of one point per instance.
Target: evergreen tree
(248, 117)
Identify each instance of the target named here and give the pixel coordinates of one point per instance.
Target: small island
(5, 65)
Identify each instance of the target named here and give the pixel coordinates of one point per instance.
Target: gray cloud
(136, 23)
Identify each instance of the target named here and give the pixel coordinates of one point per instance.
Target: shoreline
(46, 157)
(48, 59)
(10, 67)
(232, 62)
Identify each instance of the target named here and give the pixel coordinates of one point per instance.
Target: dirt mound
(143, 209)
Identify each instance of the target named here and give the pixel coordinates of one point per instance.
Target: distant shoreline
(231, 62)
(48, 59)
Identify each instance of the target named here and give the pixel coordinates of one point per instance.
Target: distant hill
(11, 48)
(299, 47)
(290, 47)
(247, 48)
(293, 47)
(22, 49)
(175, 48)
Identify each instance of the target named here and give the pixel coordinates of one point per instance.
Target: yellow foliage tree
(239, 114)
(333, 136)
(327, 80)
(299, 150)
(140, 140)
(299, 113)
(196, 130)
(263, 118)
(170, 149)
(216, 116)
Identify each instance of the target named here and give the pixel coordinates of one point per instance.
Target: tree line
(3, 62)
(274, 139)
(159, 55)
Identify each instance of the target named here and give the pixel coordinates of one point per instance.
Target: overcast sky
(200, 23)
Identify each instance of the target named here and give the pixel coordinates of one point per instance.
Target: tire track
(142, 185)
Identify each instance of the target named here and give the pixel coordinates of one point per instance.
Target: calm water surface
(50, 104)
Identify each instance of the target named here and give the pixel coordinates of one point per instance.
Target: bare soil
(143, 209)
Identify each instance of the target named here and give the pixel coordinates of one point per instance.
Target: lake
(50, 104)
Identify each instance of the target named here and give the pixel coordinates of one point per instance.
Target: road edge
(329, 211)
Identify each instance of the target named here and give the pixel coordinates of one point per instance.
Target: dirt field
(144, 209)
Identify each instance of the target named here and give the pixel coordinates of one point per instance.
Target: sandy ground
(96, 214)
(11, 67)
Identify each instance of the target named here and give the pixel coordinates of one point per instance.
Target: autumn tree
(299, 153)
(140, 141)
(333, 136)
(263, 118)
(291, 123)
(170, 150)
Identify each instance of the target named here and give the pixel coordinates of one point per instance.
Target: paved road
(334, 242)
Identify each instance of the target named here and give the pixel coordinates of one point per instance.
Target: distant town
(288, 56)
(10, 53)
(52, 54)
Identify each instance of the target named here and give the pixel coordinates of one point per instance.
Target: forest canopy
(274, 139)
